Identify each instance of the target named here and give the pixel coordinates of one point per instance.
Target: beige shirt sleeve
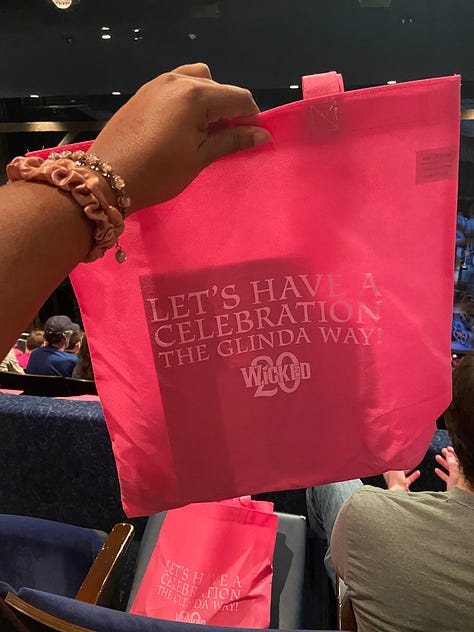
(10, 363)
(340, 537)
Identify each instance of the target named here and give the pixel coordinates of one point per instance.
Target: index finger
(229, 102)
(441, 460)
(442, 475)
(199, 70)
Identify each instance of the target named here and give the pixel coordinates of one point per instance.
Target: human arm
(166, 124)
(400, 479)
(10, 363)
(449, 461)
(158, 142)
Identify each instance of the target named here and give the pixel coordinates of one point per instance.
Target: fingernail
(261, 137)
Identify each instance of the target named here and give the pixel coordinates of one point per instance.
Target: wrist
(397, 487)
(92, 185)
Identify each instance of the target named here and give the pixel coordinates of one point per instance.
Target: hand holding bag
(278, 324)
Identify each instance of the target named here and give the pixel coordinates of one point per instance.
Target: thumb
(232, 139)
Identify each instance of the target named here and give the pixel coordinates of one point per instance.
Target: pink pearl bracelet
(82, 175)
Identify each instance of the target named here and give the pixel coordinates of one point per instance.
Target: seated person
(407, 558)
(83, 369)
(34, 340)
(52, 359)
(9, 364)
(75, 342)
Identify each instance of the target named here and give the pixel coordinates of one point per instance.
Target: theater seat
(46, 555)
(59, 558)
(62, 614)
(287, 588)
(47, 385)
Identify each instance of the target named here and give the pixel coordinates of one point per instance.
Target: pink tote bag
(212, 564)
(285, 321)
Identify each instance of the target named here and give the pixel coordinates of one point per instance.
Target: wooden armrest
(43, 618)
(99, 584)
(11, 620)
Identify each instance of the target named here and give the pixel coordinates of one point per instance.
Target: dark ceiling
(256, 43)
(266, 45)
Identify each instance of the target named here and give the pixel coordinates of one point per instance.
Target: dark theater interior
(237, 277)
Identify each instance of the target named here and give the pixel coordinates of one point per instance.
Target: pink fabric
(84, 398)
(212, 564)
(22, 358)
(281, 322)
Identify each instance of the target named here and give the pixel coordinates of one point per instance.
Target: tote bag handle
(322, 85)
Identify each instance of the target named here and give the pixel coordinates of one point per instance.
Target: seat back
(288, 567)
(74, 386)
(46, 555)
(47, 385)
(147, 545)
(288, 572)
(64, 614)
(64, 469)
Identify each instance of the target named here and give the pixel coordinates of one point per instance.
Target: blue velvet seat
(104, 620)
(46, 555)
(42, 556)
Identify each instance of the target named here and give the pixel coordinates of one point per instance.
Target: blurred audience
(75, 342)
(52, 359)
(10, 364)
(34, 341)
(83, 369)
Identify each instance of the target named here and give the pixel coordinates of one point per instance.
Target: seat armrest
(32, 613)
(99, 584)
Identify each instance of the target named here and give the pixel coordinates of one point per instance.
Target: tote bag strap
(322, 85)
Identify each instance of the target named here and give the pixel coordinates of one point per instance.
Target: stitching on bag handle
(324, 116)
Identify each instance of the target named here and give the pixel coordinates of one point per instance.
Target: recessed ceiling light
(136, 30)
(294, 86)
(392, 81)
(105, 28)
(116, 93)
(106, 36)
(62, 4)
(192, 36)
(34, 96)
(375, 4)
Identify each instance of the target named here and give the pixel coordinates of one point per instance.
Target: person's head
(58, 330)
(84, 366)
(460, 417)
(75, 341)
(35, 340)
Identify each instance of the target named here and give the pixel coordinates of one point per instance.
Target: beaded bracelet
(82, 175)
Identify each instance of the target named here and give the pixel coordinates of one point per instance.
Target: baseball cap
(60, 325)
